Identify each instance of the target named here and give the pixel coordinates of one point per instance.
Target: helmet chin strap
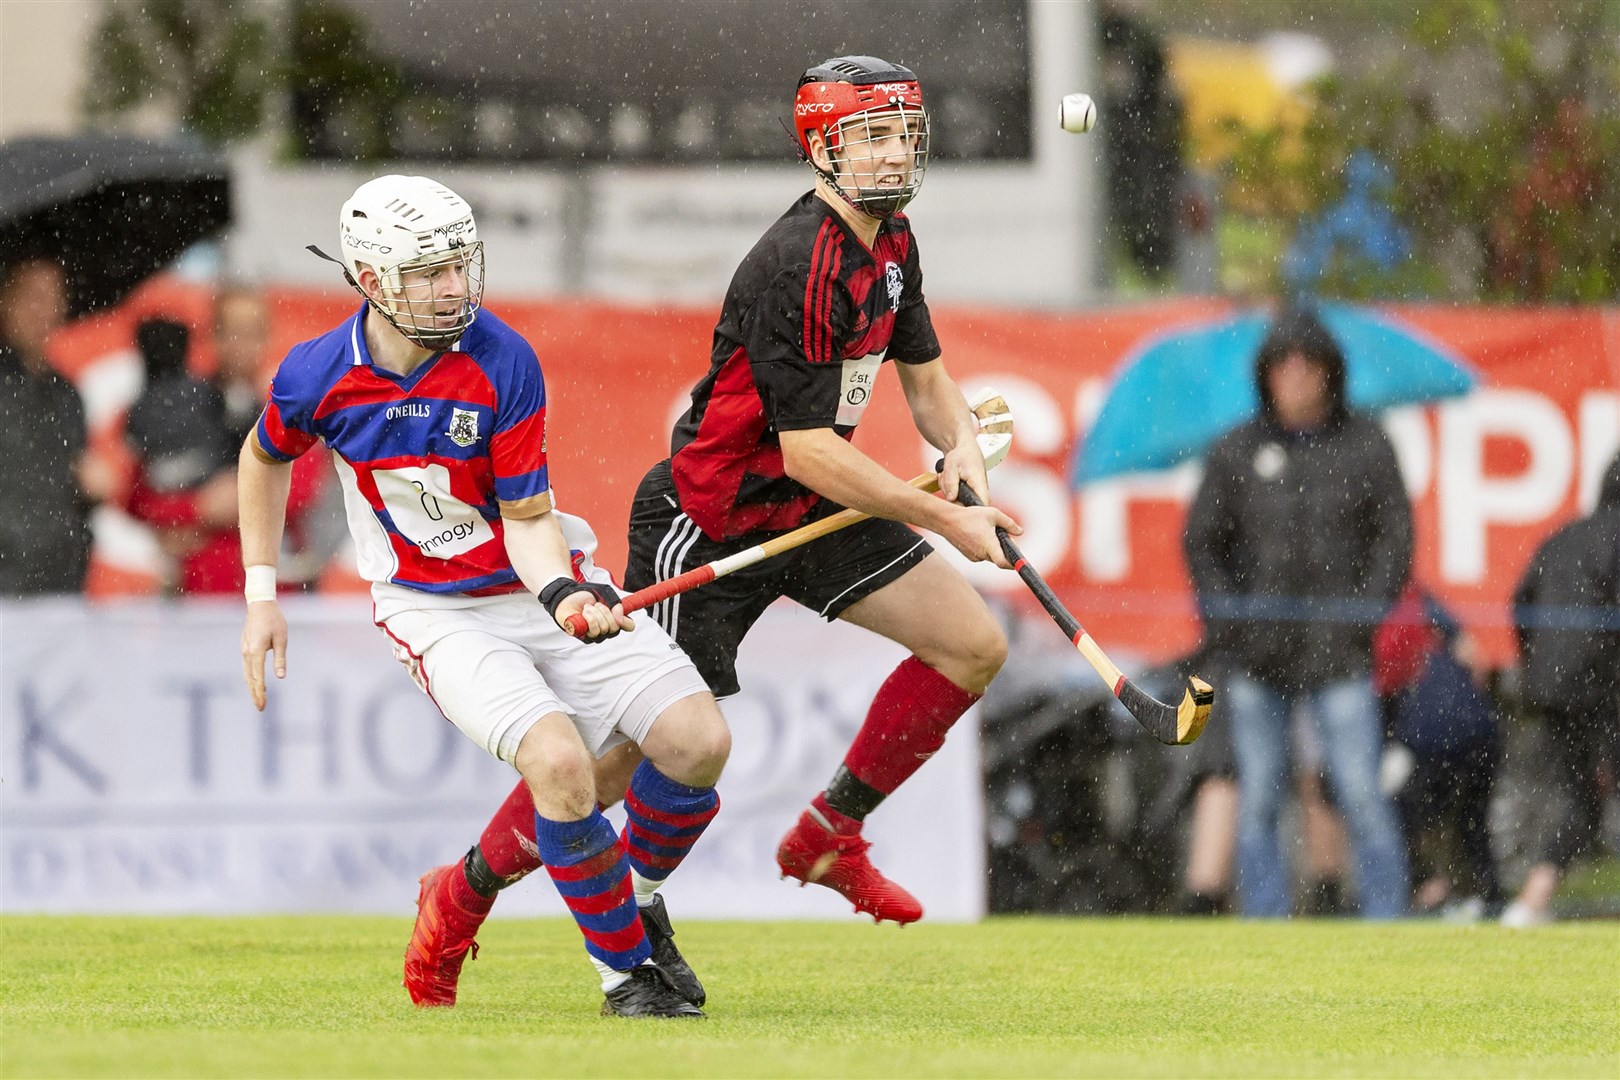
(421, 338)
(437, 341)
(881, 213)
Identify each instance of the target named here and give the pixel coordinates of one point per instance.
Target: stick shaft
(1173, 725)
(1061, 615)
(645, 598)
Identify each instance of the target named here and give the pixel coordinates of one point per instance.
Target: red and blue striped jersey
(429, 461)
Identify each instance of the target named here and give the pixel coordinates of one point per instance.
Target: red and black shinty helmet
(838, 98)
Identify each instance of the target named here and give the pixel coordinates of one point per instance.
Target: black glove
(562, 588)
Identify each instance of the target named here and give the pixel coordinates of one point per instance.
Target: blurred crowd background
(1434, 190)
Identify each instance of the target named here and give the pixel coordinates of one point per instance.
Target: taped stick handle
(645, 598)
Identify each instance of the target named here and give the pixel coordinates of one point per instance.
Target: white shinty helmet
(398, 224)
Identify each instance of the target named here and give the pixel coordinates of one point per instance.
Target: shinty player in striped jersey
(830, 292)
(435, 412)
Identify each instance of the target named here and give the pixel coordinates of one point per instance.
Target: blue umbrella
(1181, 392)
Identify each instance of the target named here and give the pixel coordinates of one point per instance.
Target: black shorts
(826, 575)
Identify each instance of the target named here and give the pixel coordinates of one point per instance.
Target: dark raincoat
(45, 529)
(1299, 544)
(1567, 612)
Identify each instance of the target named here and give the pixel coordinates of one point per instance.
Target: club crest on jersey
(463, 427)
(895, 283)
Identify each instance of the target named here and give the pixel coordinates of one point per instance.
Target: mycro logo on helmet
(892, 87)
(805, 108)
(370, 245)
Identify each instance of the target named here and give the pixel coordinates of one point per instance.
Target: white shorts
(496, 664)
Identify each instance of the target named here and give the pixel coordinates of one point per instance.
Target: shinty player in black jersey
(829, 293)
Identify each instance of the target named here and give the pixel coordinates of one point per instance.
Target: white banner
(136, 777)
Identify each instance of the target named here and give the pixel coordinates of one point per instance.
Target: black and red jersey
(809, 318)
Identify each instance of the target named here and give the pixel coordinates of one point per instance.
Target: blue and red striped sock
(664, 820)
(587, 863)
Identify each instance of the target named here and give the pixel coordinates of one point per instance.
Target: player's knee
(555, 765)
(714, 744)
(979, 654)
(705, 748)
(690, 744)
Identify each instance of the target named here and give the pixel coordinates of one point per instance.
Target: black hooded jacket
(1567, 613)
(1299, 543)
(45, 530)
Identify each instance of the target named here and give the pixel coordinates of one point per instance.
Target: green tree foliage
(210, 58)
(342, 93)
(1517, 198)
(223, 65)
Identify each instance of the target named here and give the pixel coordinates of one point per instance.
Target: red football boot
(813, 853)
(441, 940)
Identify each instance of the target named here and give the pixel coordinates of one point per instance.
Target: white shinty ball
(1079, 113)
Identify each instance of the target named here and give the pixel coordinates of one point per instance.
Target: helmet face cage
(864, 147)
(866, 110)
(421, 241)
(426, 301)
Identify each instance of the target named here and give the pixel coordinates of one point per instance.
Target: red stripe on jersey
(825, 260)
(521, 448)
(812, 296)
(453, 377)
(288, 442)
(468, 483)
(457, 377)
(709, 470)
(358, 386)
(469, 480)
(824, 316)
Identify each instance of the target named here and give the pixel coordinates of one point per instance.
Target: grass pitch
(1012, 997)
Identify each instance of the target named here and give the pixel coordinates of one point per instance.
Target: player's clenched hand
(264, 631)
(965, 464)
(601, 621)
(972, 531)
(594, 602)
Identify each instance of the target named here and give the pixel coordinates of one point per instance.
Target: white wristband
(261, 583)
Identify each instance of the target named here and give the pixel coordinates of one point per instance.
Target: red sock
(840, 822)
(906, 725)
(465, 897)
(508, 841)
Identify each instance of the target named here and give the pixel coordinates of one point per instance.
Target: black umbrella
(113, 210)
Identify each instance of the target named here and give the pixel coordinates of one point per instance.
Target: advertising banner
(135, 776)
(1490, 473)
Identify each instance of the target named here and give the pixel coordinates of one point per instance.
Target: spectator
(185, 485)
(49, 482)
(1567, 612)
(241, 333)
(316, 527)
(1142, 143)
(1426, 671)
(1299, 539)
(1207, 878)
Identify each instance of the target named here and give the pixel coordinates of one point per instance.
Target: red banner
(1490, 475)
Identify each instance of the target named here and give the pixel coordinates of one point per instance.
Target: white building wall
(44, 59)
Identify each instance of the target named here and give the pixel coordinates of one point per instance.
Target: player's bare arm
(943, 418)
(540, 555)
(832, 467)
(261, 492)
